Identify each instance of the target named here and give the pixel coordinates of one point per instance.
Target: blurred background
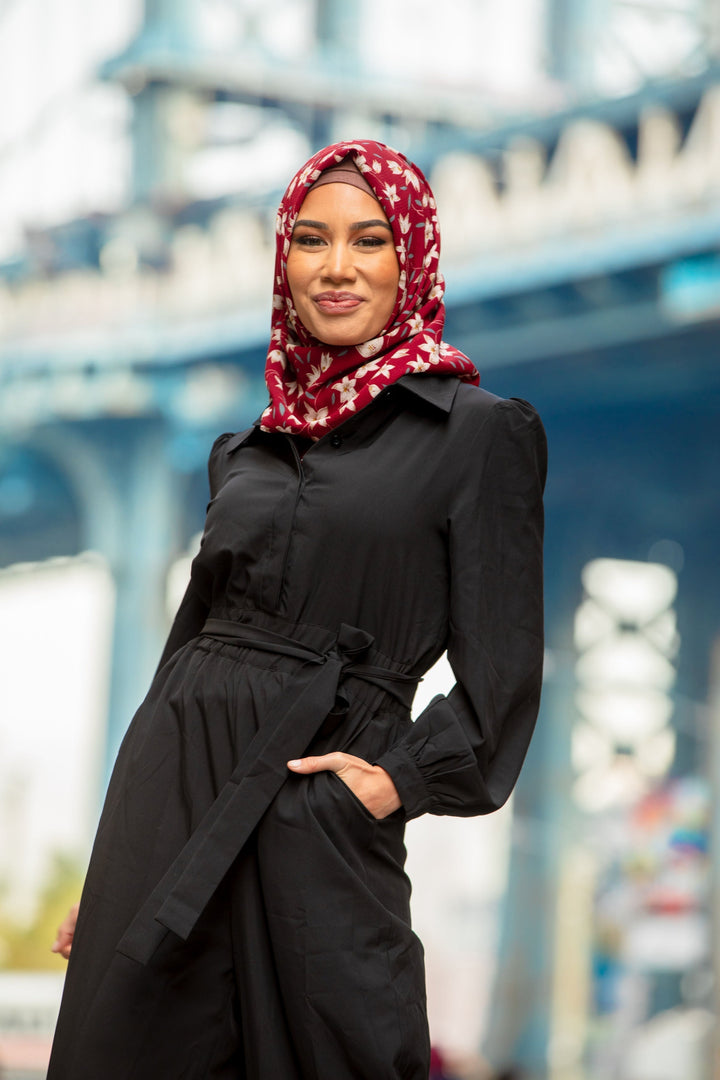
(574, 147)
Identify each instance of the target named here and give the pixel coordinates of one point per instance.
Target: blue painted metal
(147, 489)
(39, 514)
(691, 286)
(678, 95)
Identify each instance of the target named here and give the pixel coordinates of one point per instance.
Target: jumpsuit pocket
(354, 799)
(397, 815)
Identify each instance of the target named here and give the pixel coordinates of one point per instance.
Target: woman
(246, 913)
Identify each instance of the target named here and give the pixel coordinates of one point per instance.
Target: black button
(336, 439)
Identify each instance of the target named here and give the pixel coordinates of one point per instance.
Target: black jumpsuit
(276, 943)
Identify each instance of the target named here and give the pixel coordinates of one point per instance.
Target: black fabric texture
(418, 521)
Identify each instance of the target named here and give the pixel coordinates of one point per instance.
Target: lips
(337, 303)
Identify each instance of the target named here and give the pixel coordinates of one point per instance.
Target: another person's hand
(370, 783)
(66, 932)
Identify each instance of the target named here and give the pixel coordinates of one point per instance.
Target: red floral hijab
(314, 386)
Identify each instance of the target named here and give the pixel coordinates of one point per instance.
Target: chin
(341, 341)
(343, 338)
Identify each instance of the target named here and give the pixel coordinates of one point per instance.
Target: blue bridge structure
(583, 275)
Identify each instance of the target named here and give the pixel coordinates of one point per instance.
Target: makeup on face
(342, 267)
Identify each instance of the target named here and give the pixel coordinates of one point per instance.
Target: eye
(308, 240)
(372, 241)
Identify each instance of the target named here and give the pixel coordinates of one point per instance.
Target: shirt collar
(438, 390)
(239, 440)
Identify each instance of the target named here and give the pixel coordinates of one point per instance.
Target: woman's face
(342, 267)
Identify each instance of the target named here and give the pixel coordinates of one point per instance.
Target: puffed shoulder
(520, 411)
(517, 416)
(214, 461)
(483, 417)
(474, 406)
(505, 449)
(230, 441)
(520, 421)
(517, 449)
(220, 441)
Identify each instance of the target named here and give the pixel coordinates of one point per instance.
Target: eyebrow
(355, 224)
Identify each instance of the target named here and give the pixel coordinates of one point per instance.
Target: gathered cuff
(408, 780)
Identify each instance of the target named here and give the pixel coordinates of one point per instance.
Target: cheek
(296, 275)
(390, 283)
(388, 277)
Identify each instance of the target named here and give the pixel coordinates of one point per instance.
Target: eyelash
(310, 241)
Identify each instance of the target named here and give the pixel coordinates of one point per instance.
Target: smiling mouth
(337, 303)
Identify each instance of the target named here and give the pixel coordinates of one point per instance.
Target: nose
(339, 264)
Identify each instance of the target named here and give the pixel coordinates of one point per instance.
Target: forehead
(341, 202)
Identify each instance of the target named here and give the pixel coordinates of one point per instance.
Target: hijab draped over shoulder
(314, 386)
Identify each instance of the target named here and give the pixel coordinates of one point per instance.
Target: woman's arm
(66, 933)
(187, 624)
(463, 754)
(194, 606)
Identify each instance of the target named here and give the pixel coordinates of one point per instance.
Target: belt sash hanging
(177, 901)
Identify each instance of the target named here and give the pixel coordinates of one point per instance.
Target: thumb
(325, 762)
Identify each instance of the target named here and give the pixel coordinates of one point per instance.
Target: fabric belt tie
(178, 900)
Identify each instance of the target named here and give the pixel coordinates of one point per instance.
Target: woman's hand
(66, 932)
(370, 783)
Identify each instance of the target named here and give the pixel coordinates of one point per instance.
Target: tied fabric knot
(350, 644)
(351, 641)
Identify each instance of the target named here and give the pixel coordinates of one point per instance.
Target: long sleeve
(195, 604)
(187, 623)
(464, 752)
